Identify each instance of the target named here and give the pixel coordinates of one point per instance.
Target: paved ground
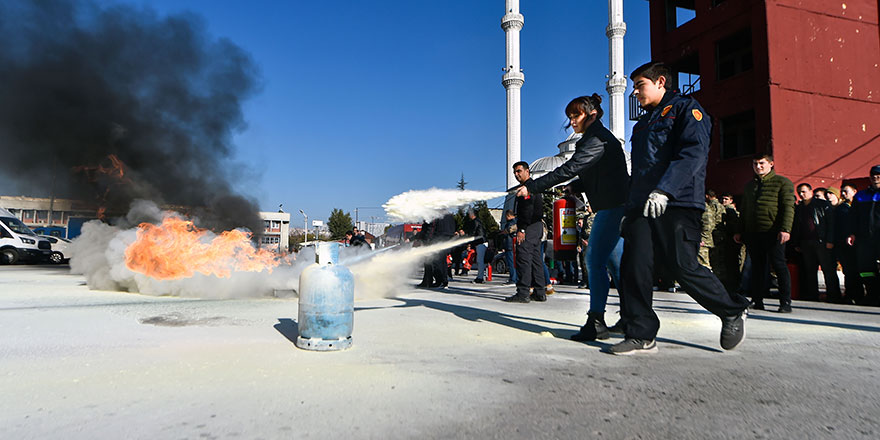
(80, 364)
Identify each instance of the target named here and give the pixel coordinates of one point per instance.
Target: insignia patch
(665, 110)
(697, 115)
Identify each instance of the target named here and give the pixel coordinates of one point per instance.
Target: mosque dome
(547, 164)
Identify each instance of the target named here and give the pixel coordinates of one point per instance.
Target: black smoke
(81, 82)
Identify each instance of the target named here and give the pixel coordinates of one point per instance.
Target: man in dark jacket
(670, 148)
(866, 223)
(474, 228)
(530, 230)
(767, 213)
(813, 236)
(444, 230)
(843, 251)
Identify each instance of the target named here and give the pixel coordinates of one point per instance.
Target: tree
(461, 183)
(339, 223)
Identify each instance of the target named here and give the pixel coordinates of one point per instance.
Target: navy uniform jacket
(670, 148)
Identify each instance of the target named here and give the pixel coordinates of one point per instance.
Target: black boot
(595, 328)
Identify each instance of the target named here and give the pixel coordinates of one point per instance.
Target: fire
(177, 249)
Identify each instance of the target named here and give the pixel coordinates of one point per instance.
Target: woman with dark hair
(600, 165)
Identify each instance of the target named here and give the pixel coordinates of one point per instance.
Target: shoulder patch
(665, 110)
(697, 114)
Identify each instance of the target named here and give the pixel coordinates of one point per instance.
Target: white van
(19, 243)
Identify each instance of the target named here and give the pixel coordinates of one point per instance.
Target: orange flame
(177, 249)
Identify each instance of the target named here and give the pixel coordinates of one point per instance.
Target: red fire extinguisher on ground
(564, 229)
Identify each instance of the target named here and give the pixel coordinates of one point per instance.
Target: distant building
(276, 234)
(798, 79)
(66, 215)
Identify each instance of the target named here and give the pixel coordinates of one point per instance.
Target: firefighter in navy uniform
(670, 148)
(865, 222)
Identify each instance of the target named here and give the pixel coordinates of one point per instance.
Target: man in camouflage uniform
(711, 219)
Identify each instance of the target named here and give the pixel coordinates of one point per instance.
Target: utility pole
(305, 226)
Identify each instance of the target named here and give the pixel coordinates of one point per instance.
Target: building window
(687, 75)
(679, 12)
(41, 216)
(738, 135)
(733, 54)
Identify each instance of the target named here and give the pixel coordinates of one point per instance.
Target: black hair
(810, 187)
(652, 71)
(521, 163)
(584, 104)
(711, 193)
(760, 156)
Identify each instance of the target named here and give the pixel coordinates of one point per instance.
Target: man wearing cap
(866, 221)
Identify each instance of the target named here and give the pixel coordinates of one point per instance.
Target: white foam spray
(430, 204)
(387, 274)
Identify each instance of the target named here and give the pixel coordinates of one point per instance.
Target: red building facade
(797, 78)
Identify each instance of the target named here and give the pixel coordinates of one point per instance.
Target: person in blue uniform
(670, 147)
(865, 222)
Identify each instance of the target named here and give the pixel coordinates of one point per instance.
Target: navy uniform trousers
(674, 237)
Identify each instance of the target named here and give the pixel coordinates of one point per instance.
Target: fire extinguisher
(564, 229)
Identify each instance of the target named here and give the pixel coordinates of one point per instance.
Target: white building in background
(513, 80)
(276, 233)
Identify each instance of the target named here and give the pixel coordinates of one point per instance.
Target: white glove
(656, 204)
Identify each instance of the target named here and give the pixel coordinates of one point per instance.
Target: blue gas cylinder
(326, 302)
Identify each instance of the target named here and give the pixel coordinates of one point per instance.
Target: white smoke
(430, 204)
(99, 255)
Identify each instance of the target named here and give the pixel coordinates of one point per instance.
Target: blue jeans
(544, 262)
(603, 256)
(481, 257)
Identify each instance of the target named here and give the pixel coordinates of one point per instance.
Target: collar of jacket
(668, 96)
(593, 128)
(765, 176)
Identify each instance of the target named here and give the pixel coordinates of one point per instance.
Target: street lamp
(305, 225)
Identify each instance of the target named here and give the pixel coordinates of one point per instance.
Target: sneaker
(538, 298)
(517, 299)
(477, 281)
(595, 328)
(617, 328)
(757, 305)
(784, 308)
(550, 290)
(733, 330)
(633, 346)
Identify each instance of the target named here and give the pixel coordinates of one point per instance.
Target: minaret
(512, 80)
(616, 85)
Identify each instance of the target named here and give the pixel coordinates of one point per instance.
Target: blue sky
(363, 100)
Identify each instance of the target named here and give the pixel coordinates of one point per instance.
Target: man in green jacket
(765, 226)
